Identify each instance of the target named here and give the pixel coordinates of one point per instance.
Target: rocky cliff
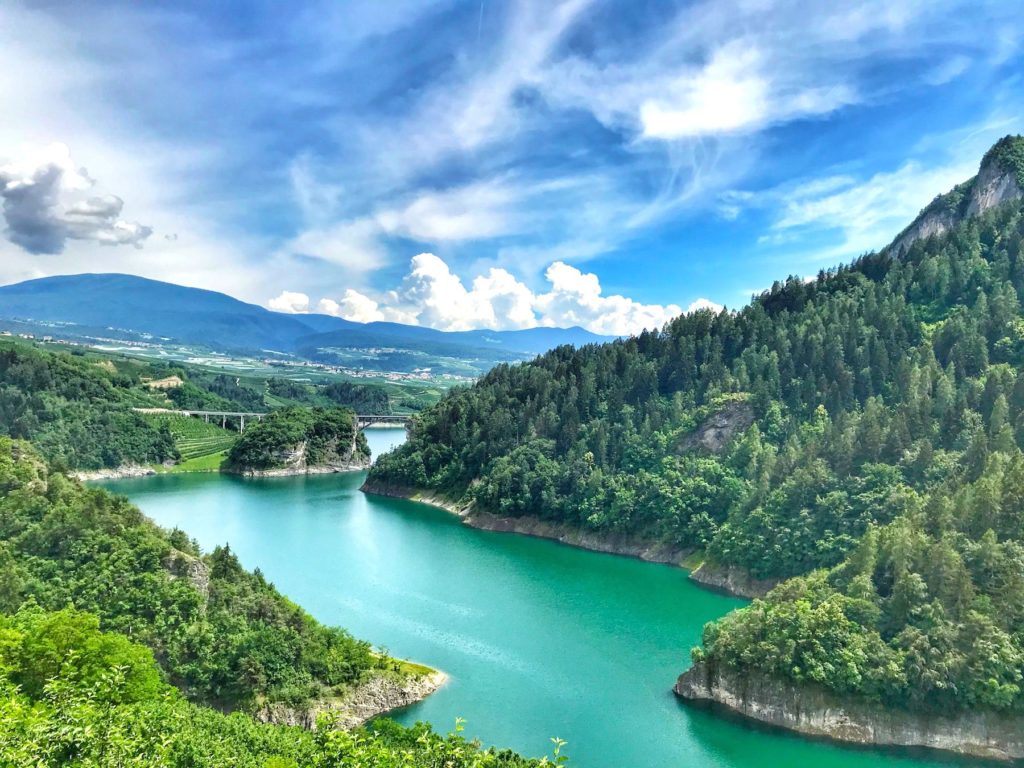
(1000, 179)
(818, 712)
(715, 433)
(731, 579)
(377, 696)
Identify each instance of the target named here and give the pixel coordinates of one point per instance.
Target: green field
(195, 438)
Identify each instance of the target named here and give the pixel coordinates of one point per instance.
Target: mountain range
(130, 307)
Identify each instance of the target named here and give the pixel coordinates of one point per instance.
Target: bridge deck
(362, 420)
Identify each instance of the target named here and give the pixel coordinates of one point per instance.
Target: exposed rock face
(182, 565)
(293, 461)
(718, 430)
(128, 470)
(731, 579)
(997, 182)
(992, 186)
(380, 694)
(818, 712)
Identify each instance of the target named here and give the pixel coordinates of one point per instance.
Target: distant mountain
(124, 305)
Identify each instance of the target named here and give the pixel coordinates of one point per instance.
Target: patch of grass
(208, 463)
(412, 668)
(693, 561)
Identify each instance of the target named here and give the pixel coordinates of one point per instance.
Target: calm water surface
(539, 639)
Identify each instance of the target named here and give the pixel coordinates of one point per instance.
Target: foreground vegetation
(222, 634)
(123, 644)
(72, 695)
(883, 464)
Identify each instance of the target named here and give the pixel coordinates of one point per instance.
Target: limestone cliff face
(181, 565)
(818, 712)
(293, 460)
(998, 181)
(731, 579)
(377, 696)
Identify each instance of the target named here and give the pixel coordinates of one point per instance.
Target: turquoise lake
(538, 639)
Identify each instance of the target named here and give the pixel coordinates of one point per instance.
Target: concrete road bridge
(362, 420)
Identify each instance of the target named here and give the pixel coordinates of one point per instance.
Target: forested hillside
(222, 634)
(77, 411)
(72, 695)
(888, 421)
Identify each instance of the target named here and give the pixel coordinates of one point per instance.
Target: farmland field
(194, 437)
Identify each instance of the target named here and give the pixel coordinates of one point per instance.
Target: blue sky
(498, 164)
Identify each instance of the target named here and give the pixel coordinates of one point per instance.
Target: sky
(487, 164)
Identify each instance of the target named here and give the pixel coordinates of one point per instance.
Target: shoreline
(326, 469)
(113, 473)
(816, 712)
(379, 696)
(729, 580)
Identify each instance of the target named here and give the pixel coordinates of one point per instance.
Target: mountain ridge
(106, 301)
(1000, 178)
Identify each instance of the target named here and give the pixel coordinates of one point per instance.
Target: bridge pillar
(241, 425)
(223, 422)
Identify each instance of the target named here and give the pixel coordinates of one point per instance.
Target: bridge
(362, 420)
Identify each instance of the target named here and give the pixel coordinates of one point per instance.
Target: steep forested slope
(888, 420)
(72, 695)
(77, 411)
(222, 634)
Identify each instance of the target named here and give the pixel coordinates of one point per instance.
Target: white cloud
(948, 70)
(353, 245)
(432, 295)
(733, 93)
(471, 212)
(360, 308)
(44, 204)
(576, 298)
(702, 303)
(290, 302)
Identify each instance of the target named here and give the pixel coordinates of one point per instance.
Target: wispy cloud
(321, 146)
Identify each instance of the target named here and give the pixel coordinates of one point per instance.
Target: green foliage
(361, 398)
(216, 392)
(76, 412)
(102, 704)
(326, 435)
(887, 407)
(1008, 152)
(220, 632)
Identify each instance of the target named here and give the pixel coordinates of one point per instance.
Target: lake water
(538, 639)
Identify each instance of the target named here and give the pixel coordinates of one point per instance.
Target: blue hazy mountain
(121, 306)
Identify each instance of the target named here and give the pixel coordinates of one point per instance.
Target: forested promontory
(871, 423)
(298, 440)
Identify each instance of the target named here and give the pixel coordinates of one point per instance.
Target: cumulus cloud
(290, 302)
(432, 295)
(702, 304)
(44, 206)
